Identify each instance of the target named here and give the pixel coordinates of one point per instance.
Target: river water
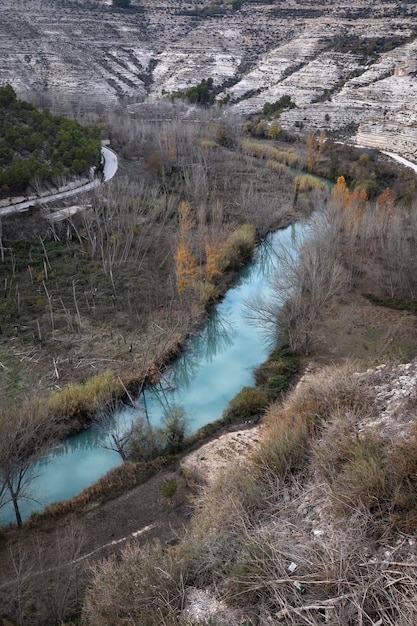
(214, 366)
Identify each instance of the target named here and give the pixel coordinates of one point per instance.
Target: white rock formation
(346, 70)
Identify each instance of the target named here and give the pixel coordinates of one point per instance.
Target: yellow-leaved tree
(214, 254)
(315, 149)
(185, 262)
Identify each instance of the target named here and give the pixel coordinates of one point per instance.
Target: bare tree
(25, 436)
(43, 576)
(22, 571)
(60, 562)
(309, 276)
(116, 435)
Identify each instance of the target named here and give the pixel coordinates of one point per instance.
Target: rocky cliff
(349, 69)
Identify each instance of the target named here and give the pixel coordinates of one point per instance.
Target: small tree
(314, 278)
(309, 276)
(274, 130)
(7, 95)
(121, 4)
(26, 434)
(146, 442)
(169, 488)
(175, 424)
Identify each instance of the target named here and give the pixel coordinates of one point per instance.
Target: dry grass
(318, 494)
(307, 182)
(264, 150)
(291, 427)
(84, 401)
(148, 588)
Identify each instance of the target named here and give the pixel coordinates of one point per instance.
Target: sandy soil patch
(209, 461)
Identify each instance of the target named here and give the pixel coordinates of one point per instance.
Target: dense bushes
(249, 402)
(365, 170)
(40, 146)
(277, 107)
(203, 93)
(275, 374)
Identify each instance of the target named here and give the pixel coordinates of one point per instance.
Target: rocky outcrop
(346, 70)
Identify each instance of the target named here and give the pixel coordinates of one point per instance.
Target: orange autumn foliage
(185, 263)
(214, 253)
(315, 149)
(340, 192)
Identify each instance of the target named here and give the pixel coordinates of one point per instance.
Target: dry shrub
(284, 448)
(363, 480)
(236, 492)
(307, 182)
(276, 165)
(206, 293)
(323, 394)
(239, 247)
(276, 373)
(335, 446)
(246, 404)
(290, 427)
(214, 538)
(146, 586)
(354, 464)
(84, 401)
(402, 464)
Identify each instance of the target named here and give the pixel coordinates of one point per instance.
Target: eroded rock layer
(348, 68)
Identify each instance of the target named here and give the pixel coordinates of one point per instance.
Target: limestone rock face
(349, 70)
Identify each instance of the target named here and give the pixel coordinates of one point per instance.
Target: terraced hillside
(349, 68)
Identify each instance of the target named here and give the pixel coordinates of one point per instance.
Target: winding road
(401, 160)
(111, 165)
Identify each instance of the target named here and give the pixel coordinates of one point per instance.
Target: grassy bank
(273, 378)
(315, 494)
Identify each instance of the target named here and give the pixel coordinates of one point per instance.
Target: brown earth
(108, 527)
(352, 329)
(359, 330)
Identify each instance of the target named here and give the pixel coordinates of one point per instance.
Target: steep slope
(345, 68)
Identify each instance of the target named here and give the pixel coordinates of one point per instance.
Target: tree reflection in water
(214, 338)
(225, 350)
(214, 367)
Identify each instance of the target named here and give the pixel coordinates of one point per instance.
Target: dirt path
(141, 516)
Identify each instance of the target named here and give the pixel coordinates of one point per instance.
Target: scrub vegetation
(316, 495)
(95, 306)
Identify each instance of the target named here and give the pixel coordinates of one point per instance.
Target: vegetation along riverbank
(95, 306)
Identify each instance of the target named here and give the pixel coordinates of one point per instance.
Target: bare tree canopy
(26, 434)
(308, 277)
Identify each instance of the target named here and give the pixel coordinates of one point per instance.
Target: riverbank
(357, 334)
(203, 397)
(77, 407)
